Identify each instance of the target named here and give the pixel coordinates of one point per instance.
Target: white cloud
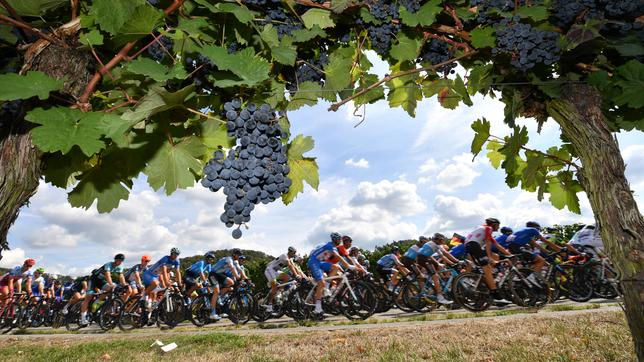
(430, 165)
(52, 236)
(451, 174)
(12, 258)
(399, 197)
(361, 163)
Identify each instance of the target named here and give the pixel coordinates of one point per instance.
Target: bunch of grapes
(283, 22)
(199, 69)
(437, 51)
(382, 10)
(621, 14)
(567, 11)
(526, 45)
(309, 71)
(410, 5)
(381, 36)
(488, 10)
(160, 48)
(255, 170)
(9, 112)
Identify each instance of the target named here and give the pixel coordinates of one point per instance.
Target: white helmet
(53, 276)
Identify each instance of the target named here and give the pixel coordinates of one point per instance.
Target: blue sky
(390, 178)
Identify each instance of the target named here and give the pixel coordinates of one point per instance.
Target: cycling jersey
(523, 236)
(412, 252)
(197, 268)
(278, 263)
(229, 271)
(130, 276)
(388, 261)
(503, 240)
(323, 252)
(458, 251)
(17, 274)
(35, 285)
(222, 265)
(428, 249)
(480, 235)
(166, 261)
(114, 270)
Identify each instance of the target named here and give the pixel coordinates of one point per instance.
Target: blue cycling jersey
(458, 251)
(199, 267)
(222, 265)
(412, 253)
(503, 240)
(523, 236)
(428, 249)
(165, 261)
(323, 252)
(388, 261)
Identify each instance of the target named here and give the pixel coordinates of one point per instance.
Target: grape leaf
(92, 38)
(404, 91)
(140, 23)
(302, 168)
(33, 8)
(483, 37)
(536, 13)
(319, 17)
(632, 83)
(481, 129)
(284, 55)
(306, 95)
(269, 35)
(111, 15)
(151, 69)
(338, 68)
(175, 165)
(99, 184)
(303, 35)
(251, 68)
(14, 86)
(426, 15)
(563, 192)
(214, 134)
(513, 144)
(373, 95)
(241, 12)
(157, 100)
(406, 49)
(63, 128)
(494, 155)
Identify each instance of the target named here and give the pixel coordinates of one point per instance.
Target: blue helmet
(335, 237)
(506, 230)
(533, 224)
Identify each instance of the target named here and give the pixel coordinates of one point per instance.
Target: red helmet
(30, 262)
(145, 258)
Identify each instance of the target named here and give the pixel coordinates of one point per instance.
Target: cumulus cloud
(373, 215)
(52, 236)
(13, 257)
(361, 163)
(451, 174)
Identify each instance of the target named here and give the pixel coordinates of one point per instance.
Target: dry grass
(600, 336)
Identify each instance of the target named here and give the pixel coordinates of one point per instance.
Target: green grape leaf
(6, 35)
(479, 79)
(512, 147)
(483, 37)
(319, 17)
(250, 68)
(151, 69)
(304, 35)
(95, 186)
(63, 128)
(306, 95)
(175, 165)
(111, 15)
(140, 23)
(302, 168)
(92, 38)
(241, 12)
(14, 86)
(481, 129)
(338, 6)
(158, 100)
(426, 15)
(536, 13)
(563, 192)
(338, 70)
(631, 83)
(34, 8)
(214, 134)
(373, 95)
(443, 88)
(284, 55)
(533, 169)
(404, 91)
(406, 49)
(494, 155)
(269, 35)
(459, 88)
(61, 170)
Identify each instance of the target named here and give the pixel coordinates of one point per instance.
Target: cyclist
(75, 291)
(458, 251)
(502, 240)
(427, 261)
(319, 262)
(273, 269)
(57, 289)
(198, 274)
(522, 239)
(441, 252)
(411, 255)
(226, 265)
(388, 267)
(475, 243)
(102, 280)
(134, 274)
(13, 279)
(159, 275)
(354, 259)
(364, 262)
(38, 283)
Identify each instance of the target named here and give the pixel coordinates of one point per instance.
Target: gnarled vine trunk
(20, 170)
(602, 176)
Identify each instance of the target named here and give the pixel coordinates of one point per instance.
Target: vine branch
(121, 55)
(335, 106)
(553, 157)
(25, 26)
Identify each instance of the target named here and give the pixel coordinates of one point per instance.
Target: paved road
(285, 325)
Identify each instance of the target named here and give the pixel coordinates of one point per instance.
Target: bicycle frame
(344, 281)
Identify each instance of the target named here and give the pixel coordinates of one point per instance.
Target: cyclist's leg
(478, 255)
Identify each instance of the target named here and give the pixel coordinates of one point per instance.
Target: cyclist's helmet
(175, 251)
(145, 258)
(439, 236)
(335, 237)
(119, 256)
(54, 276)
(423, 239)
(292, 250)
(346, 239)
(533, 224)
(506, 230)
(30, 262)
(236, 252)
(298, 259)
(492, 221)
(361, 257)
(395, 250)
(242, 258)
(40, 270)
(353, 249)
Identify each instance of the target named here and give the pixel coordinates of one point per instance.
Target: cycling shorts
(135, 285)
(473, 248)
(427, 262)
(270, 274)
(318, 268)
(96, 283)
(220, 278)
(384, 273)
(149, 278)
(526, 253)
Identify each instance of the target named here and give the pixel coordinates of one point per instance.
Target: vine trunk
(580, 116)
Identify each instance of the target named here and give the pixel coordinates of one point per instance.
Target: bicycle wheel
(25, 315)
(580, 286)
(72, 319)
(259, 312)
(171, 310)
(240, 308)
(298, 309)
(131, 314)
(359, 305)
(471, 292)
(200, 311)
(608, 286)
(109, 314)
